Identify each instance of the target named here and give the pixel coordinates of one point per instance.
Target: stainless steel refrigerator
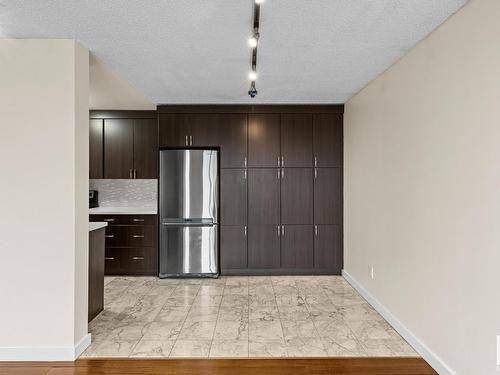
(189, 211)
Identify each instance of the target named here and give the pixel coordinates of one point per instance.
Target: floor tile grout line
(216, 320)
(279, 317)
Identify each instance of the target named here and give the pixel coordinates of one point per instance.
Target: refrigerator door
(188, 184)
(189, 250)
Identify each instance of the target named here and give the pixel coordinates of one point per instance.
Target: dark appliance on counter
(93, 198)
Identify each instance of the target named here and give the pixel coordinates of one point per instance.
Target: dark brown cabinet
(233, 196)
(233, 140)
(296, 140)
(328, 139)
(264, 246)
(96, 139)
(145, 148)
(297, 246)
(118, 148)
(174, 129)
(204, 130)
(327, 196)
(264, 140)
(263, 196)
(328, 248)
(131, 244)
(233, 247)
(296, 195)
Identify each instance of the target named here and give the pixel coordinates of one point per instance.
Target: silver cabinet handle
(108, 220)
(190, 140)
(246, 230)
(315, 173)
(278, 173)
(315, 161)
(278, 161)
(245, 162)
(138, 236)
(278, 230)
(130, 173)
(245, 174)
(138, 258)
(186, 141)
(109, 235)
(316, 230)
(137, 220)
(282, 173)
(282, 161)
(283, 230)
(109, 258)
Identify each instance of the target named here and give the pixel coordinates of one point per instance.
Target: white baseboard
(45, 353)
(437, 363)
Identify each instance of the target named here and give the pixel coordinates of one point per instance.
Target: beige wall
(110, 91)
(43, 192)
(422, 189)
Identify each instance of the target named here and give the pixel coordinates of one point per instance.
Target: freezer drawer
(189, 250)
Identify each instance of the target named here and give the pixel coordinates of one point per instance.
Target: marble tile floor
(229, 317)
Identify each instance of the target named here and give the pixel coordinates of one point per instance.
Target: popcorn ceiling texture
(196, 51)
(126, 193)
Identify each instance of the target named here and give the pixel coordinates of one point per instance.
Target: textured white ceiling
(196, 51)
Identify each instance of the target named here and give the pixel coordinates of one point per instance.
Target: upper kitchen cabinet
(204, 130)
(328, 139)
(175, 129)
(233, 140)
(264, 140)
(118, 148)
(296, 140)
(145, 148)
(96, 139)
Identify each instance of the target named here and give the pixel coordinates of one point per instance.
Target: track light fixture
(254, 42)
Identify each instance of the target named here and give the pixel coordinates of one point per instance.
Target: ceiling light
(252, 42)
(252, 75)
(259, 1)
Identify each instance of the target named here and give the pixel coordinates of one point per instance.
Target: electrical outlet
(372, 272)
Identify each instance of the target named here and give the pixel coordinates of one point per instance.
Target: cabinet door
(297, 140)
(204, 130)
(118, 148)
(328, 140)
(263, 196)
(146, 148)
(233, 196)
(327, 196)
(328, 252)
(297, 195)
(263, 140)
(233, 140)
(233, 247)
(297, 246)
(263, 246)
(96, 138)
(174, 130)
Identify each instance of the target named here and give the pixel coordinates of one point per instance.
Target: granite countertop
(123, 211)
(97, 225)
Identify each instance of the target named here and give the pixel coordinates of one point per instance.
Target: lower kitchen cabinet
(233, 247)
(328, 252)
(297, 246)
(263, 246)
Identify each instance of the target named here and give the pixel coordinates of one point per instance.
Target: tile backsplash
(126, 193)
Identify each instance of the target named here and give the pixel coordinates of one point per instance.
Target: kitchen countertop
(123, 211)
(97, 225)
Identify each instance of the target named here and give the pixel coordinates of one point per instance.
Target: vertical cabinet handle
(278, 161)
(282, 161)
(316, 230)
(278, 230)
(278, 173)
(246, 230)
(282, 173)
(283, 230)
(315, 162)
(186, 140)
(245, 161)
(190, 140)
(315, 173)
(245, 174)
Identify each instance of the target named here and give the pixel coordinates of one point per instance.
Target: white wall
(422, 189)
(110, 91)
(43, 192)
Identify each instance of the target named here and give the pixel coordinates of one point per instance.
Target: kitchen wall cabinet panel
(96, 147)
(263, 140)
(145, 148)
(233, 247)
(233, 197)
(296, 140)
(204, 130)
(174, 129)
(264, 246)
(233, 140)
(328, 196)
(297, 246)
(118, 148)
(328, 248)
(296, 195)
(263, 196)
(328, 139)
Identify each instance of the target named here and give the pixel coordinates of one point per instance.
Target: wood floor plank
(309, 366)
